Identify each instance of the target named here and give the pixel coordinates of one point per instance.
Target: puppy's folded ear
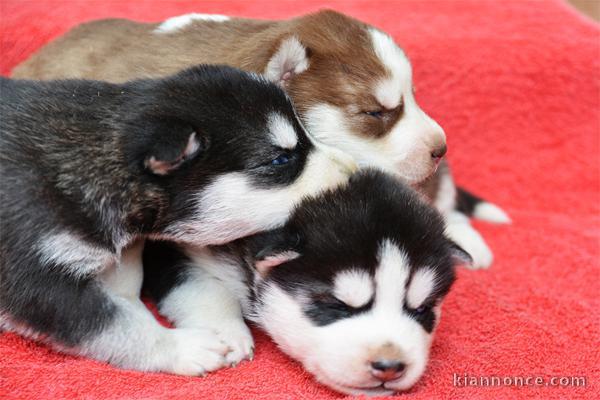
(459, 255)
(271, 249)
(172, 145)
(291, 58)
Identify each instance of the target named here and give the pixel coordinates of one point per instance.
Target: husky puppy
(351, 83)
(87, 168)
(351, 286)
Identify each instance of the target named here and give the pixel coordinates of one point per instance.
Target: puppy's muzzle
(387, 370)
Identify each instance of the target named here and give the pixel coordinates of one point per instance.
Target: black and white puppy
(351, 286)
(88, 168)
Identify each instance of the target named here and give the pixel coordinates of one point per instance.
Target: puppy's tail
(476, 207)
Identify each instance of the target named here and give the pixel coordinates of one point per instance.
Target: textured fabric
(516, 85)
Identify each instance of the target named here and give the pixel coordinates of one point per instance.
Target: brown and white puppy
(352, 86)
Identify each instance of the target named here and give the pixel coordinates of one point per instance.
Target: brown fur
(118, 50)
(385, 352)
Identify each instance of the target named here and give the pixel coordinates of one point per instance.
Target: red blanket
(516, 85)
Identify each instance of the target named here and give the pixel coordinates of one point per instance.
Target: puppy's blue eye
(375, 114)
(281, 159)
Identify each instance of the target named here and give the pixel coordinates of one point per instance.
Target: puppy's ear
(290, 59)
(460, 256)
(172, 145)
(273, 248)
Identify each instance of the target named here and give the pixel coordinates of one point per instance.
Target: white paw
(471, 241)
(238, 338)
(195, 351)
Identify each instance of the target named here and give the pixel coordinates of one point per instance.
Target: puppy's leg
(459, 229)
(458, 226)
(135, 340)
(190, 296)
(77, 314)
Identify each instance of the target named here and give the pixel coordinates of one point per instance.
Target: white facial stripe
(421, 286)
(176, 23)
(353, 287)
(73, 254)
(282, 132)
(391, 278)
(389, 92)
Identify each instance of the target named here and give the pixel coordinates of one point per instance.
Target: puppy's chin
(375, 391)
(417, 173)
(370, 387)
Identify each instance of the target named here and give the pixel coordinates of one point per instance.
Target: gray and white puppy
(88, 168)
(351, 286)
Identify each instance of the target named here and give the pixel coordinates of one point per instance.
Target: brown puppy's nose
(438, 153)
(387, 370)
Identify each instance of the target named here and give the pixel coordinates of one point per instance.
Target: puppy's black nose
(386, 370)
(438, 153)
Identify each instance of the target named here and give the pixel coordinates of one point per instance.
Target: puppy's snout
(387, 370)
(439, 152)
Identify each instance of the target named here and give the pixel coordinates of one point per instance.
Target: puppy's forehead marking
(421, 286)
(353, 287)
(392, 274)
(176, 23)
(282, 131)
(390, 89)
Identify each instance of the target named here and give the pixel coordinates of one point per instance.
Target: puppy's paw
(238, 338)
(195, 351)
(471, 241)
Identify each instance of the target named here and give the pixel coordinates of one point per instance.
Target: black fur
(342, 229)
(466, 201)
(164, 267)
(74, 158)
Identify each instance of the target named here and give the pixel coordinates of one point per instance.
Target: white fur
(175, 24)
(391, 276)
(490, 212)
(404, 151)
(445, 198)
(206, 301)
(459, 229)
(353, 287)
(339, 354)
(389, 92)
(421, 286)
(74, 255)
(290, 59)
(415, 134)
(232, 206)
(282, 131)
(125, 277)
(135, 340)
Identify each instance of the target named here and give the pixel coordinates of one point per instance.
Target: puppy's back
(118, 50)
